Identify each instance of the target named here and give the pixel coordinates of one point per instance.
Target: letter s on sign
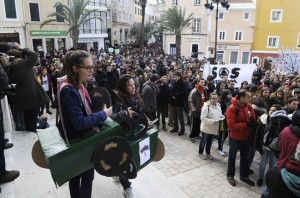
(235, 72)
(214, 72)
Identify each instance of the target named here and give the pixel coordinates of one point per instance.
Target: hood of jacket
(279, 113)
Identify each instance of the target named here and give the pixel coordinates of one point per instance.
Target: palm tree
(143, 5)
(174, 21)
(74, 15)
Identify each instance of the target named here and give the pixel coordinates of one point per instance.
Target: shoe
(174, 131)
(181, 133)
(197, 138)
(209, 156)
(9, 176)
(259, 182)
(202, 156)
(164, 128)
(128, 193)
(222, 153)
(193, 140)
(116, 179)
(250, 171)
(49, 112)
(231, 181)
(247, 181)
(171, 125)
(8, 145)
(6, 140)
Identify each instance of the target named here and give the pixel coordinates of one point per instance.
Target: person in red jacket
(240, 119)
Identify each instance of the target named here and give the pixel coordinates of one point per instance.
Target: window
(34, 12)
(298, 42)
(221, 16)
(233, 57)
(255, 60)
(273, 41)
(238, 35)
(174, 2)
(276, 16)
(196, 25)
(222, 35)
(246, 16)
(58, 18)
(245, 57)
(120, 16)
(138, 11)
(10, 9)
(197, 2)
(220, 55)
(134, 10)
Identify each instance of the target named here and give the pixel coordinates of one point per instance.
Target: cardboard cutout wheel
(112, 156)
(100, 97)
(38, 155)
(130, 171)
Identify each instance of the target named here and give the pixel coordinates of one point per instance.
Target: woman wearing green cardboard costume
(77, 115)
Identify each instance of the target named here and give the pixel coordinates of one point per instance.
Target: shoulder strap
(237, 111)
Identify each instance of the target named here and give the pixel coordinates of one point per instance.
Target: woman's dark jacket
(29, 93)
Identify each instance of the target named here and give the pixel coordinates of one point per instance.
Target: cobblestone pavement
(180, 174)
(202, 178)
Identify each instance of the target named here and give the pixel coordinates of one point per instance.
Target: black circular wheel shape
(130, 171)
(100, 97)
(112, 156)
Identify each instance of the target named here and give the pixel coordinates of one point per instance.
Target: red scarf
(293, 167)
(201, 90)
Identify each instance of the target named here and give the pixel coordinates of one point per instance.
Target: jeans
(264, 160)
(124, 181)
(195, 127)
(206, 141)
(171, 114)
(243, 146)
(251, 155)
(2, 144)
(178, 115)
(163, 110)
(222, 137)
(81, 186)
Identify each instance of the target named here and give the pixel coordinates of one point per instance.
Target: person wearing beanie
(285, 182)
(149, 96)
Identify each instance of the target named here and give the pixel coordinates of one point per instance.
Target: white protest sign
(144, 150)
(110, 50)
(237, 72)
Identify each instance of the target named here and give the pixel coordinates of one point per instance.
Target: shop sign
(87, 40)
(229, 47)
(47, 33)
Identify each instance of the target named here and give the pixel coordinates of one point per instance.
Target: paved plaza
(180, 174)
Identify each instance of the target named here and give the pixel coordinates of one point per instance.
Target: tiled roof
(240, 1)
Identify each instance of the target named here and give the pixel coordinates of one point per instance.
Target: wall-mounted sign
(230, 47)
(87, 40)
(47, 33)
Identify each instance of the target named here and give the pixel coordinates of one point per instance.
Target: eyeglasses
(215, 98)
(89, 69)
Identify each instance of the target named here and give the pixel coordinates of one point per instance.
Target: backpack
(237, 111)
(277, 124)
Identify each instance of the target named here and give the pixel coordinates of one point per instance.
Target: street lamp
(210, 6)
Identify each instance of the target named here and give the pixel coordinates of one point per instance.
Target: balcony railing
(93, 31)
(98, 3)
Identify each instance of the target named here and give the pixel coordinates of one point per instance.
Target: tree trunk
(143, 5)
(75, 37)
(178, 45)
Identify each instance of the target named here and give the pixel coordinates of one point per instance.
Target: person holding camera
(5, 176)
(30, 95)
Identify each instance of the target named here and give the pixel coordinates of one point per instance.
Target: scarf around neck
(291, 181)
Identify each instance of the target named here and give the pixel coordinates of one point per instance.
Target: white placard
(237, 72)
(144, 150)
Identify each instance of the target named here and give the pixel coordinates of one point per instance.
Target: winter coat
(163, 94)
(276, 186)
(179, 92)
(239, 130)
(77, 122)
(194, 101)
(210, 114)
(101, 78)
(149, 96)
(257, 135)
(288, 142)
(29, 93)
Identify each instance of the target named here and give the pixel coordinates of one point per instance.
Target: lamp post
(210, 6)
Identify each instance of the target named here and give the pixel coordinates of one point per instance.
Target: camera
(11, 58)
(10, 90)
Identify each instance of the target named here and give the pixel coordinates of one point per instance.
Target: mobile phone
(13, 44)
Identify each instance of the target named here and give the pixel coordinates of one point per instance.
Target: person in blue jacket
(77, 115)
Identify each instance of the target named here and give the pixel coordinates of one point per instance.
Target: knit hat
(296, 118)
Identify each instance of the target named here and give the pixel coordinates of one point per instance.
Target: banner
(236, 72)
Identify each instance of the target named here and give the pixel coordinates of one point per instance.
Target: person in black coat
(162, 101)
(101, 76)
(178, 94)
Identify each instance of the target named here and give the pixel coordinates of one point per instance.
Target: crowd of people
(262, 115)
